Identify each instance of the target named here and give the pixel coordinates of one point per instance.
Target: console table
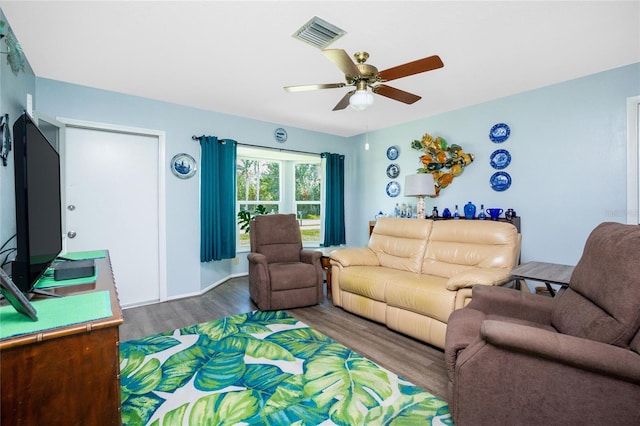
(548, 273)
(514, 221)
(68, 375)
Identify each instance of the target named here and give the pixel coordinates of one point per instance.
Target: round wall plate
(393, 152)
(500, 181)
(393, 189)
(500, 159)
(393, 171)
(183, 166)
(499, 133)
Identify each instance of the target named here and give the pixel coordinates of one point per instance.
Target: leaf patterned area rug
(263, 368)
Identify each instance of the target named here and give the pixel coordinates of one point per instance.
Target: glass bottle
(456, 215)
(482, 215)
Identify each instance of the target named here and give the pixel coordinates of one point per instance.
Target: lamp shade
(419, 185)
(361, 100)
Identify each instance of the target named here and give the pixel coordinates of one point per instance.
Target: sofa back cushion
(400, 243)
(602, 302)
(456, 246)
(277, 236)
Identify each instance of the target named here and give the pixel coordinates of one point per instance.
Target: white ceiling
(236, 57)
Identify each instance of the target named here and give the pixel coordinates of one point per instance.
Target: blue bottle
(469, 210)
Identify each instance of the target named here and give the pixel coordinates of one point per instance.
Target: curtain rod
(197, 138)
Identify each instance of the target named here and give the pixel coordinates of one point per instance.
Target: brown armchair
(281, 274)
(525, 359)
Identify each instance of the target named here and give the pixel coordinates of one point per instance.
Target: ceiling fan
(363, 75)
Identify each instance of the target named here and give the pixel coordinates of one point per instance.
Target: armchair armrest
(485, 276)
(512, 303)
(360, 256)
(310, 256)
(600, 358)
(257, 258)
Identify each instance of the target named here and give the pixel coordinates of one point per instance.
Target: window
(282, 182)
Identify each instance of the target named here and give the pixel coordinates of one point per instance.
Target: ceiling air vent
(318, 33)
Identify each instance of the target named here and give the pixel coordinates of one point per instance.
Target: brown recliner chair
(281, 274)
(517, 358)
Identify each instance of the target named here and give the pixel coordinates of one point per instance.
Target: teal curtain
(334, 209)
(217, 199)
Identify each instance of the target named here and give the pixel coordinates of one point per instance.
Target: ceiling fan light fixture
(361, 100)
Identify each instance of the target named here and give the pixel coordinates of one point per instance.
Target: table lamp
(419, 186)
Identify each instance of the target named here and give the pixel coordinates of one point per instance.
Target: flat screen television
(38, 203)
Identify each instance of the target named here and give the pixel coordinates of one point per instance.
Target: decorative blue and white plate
(500, 181)
(393, 152)
(499, 133)
(500, 159)
(393, 171)
(393, 189)
(183, 165)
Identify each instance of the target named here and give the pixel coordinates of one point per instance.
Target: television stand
(45, 293)
(67, 375)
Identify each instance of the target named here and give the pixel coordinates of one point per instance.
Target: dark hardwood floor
(417, 362)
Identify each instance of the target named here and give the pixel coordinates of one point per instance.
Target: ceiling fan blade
(396, 94)
(313, 87)
(411, 68)
(342, 61)
(344, 102)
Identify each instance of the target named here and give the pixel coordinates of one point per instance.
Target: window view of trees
(258, 182)
(307, 199)
(281, 186)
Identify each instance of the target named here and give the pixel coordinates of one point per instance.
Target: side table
(548, 273)
(325, 261)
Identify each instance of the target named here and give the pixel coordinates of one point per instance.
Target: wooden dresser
(65, 376)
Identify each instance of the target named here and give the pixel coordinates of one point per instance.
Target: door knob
(71, 207)
(71, 234)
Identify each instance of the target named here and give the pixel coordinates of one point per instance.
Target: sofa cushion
(368, 281)
(292, 275)
(422, 294)
(602, 300)
(400, 243)
(456, 246)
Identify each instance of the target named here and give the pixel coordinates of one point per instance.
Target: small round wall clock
(183, 165)
(280, 135)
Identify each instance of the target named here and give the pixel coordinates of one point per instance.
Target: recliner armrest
(354, 256)
(310, 256)
(600, 358)
(512, 303)
(257, 258)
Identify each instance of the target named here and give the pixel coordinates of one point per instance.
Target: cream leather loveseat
(414, 273)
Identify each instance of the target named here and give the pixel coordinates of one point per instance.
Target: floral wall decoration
(442, 160)
(15, 55)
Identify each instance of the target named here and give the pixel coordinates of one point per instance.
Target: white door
(112, 202)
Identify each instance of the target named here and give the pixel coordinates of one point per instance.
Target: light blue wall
(13, 100)
(185, 273)
(568, 145)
